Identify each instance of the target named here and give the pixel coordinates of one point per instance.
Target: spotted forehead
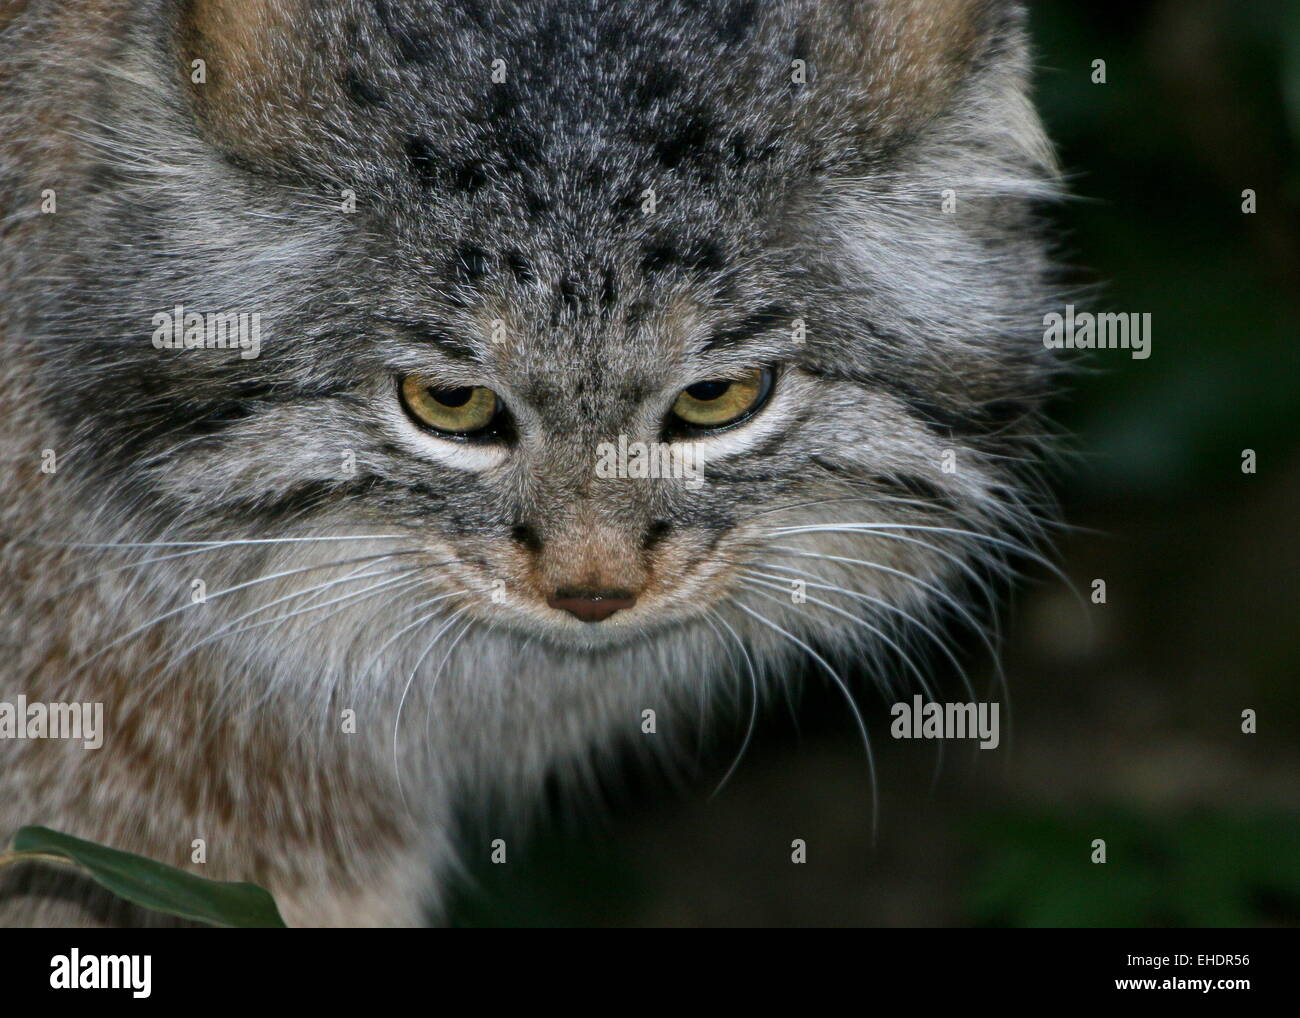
(590, 98)
(579, 167)
(579, 124)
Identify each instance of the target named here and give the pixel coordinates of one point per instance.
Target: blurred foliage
(1203, 870)
(559, 881)
(1202, 101)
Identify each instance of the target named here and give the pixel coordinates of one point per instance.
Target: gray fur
(477, 201)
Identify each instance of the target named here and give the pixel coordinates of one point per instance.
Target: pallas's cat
(399, 399)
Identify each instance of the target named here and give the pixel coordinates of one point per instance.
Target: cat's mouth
(595, 618)
(602, 626)
(590, 617)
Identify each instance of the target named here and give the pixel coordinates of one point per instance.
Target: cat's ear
(905, 67)
(918, 54)
(254, 82)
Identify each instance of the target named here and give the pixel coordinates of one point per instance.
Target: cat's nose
(592, 605)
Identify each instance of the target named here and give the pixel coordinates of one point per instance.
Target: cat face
(611, 319)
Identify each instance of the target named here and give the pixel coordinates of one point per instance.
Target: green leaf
(154, 885)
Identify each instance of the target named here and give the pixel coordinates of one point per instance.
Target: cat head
(611, 315)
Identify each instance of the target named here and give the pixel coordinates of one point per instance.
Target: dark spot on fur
(1006, 411)
(739, 20)
(942, 421)
(472, 263)
(659, 257)
(917, 488)
(360, 90)
(428, 493)
(705, 256)
(627, 206)
(904, 484)
(608, 289)
(655, 534)
(521, 268)
(689, 140)
(571, 290)
(535, 203)
(637, 314)
(299, 501)
(660, 79)
(412, 46)
(495, 105)
(469, 176)
(221, 417)
(702, 255)
(525, 535)
(448, 342)
(740, 154)
(423, 159)
(736, 474)
(947, 422)
(476, 12)
(800, 51)
(522, 149)
(591, 177)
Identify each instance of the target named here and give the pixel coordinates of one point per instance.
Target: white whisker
(753, 710)
(212, 597)
(397, 720)
(848, 696)
(230, 628)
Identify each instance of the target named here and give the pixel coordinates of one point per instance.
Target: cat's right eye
(459, 411)
(715, 404)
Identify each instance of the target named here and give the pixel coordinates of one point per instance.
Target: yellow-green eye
(717, 403)
(456, 411)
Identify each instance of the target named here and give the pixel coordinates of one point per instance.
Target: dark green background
(1127, 715)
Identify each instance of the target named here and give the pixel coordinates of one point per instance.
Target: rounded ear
(919, 52)
(904, 62)
(249, 77)
(949, 74)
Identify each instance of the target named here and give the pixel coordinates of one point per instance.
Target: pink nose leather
(591, 606)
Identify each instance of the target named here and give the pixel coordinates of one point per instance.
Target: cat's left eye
(722, 402)
(458, 411)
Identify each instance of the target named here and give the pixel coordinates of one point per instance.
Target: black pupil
(705, 391)
(452, 397)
